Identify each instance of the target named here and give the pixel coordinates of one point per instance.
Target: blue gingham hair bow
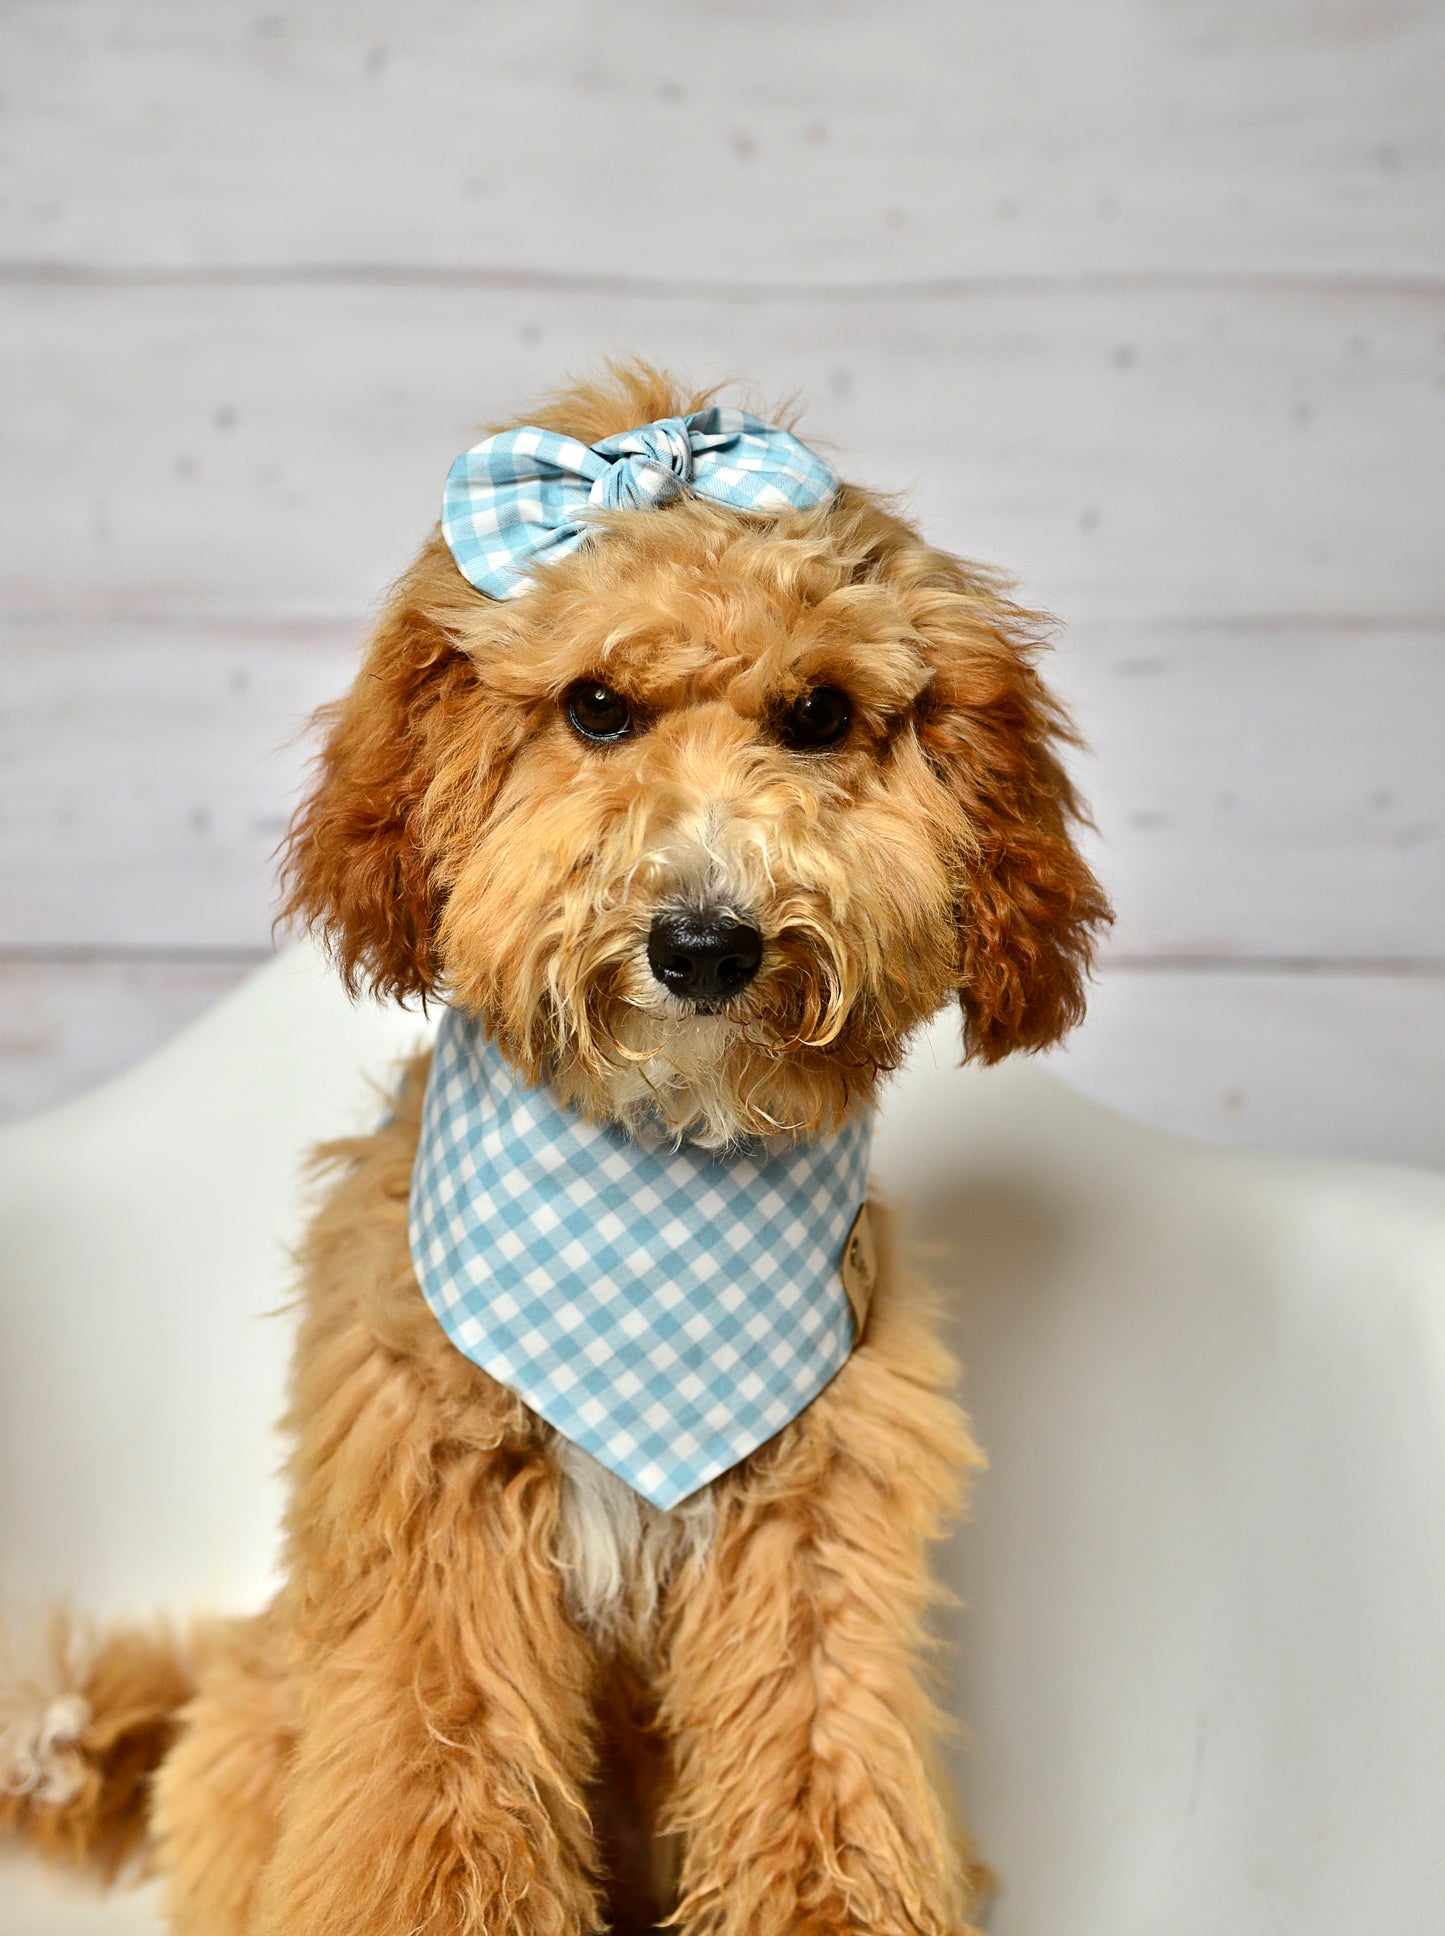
(526, 495)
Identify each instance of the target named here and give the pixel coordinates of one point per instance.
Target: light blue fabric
(666, 1308)
(526, 495)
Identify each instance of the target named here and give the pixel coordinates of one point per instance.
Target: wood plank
(1259, 792)
(826, 142)
(147, 774)
(1347, 1065)
(1265, 790)
(280, 450)
(67, 1025)
(1329, 1064)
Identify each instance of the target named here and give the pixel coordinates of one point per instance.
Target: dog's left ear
(1029, 909)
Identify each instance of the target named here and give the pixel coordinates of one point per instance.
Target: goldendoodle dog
(687, 782)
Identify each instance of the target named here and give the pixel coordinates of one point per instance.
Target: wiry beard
(712, 1080)
(793, 1057)
(677, 1073)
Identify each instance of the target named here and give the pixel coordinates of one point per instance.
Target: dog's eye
(820, 718)
(596, 711)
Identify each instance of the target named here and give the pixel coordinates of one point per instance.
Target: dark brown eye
(596, 711)
(820, 718)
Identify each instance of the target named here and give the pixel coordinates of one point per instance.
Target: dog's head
(707, 822)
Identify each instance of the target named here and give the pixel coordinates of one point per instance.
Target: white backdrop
(1144, 299)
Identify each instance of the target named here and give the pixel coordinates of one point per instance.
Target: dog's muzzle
(703, 957)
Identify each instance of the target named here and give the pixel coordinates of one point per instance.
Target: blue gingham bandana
(525, 495)
(667, 1308)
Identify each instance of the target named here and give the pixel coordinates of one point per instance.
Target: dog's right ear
(357, 871)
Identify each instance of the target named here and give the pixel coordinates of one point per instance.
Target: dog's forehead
(678, 623)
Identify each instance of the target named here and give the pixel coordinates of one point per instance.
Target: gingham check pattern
(525, 495)
(667, 1309)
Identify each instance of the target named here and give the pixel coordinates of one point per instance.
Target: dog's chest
(614, 1550)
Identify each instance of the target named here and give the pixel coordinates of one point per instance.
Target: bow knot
(653, 468)
(526, 495)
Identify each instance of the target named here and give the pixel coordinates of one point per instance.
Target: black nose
(701, 956)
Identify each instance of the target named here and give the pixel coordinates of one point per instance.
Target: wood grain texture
(1271, 790)
(1143, 300)
(1334, 1063)
(265, 451)
(67, 1024)
(1259, 791)
(149, 772)
(829, 142)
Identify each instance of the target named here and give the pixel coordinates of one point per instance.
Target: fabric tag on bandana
(667, 1308)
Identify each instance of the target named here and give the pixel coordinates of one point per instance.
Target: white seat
(1202, 1667)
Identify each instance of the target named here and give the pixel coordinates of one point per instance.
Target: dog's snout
(702, 956)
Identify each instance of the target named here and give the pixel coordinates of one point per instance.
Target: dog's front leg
(444, 1732)
(806, 1790)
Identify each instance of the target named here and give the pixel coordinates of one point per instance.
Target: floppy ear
(356, 871)
(1029, 910)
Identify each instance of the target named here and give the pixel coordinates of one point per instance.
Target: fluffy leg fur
(442, 1746)
(441, 1694)
(84, 1721)
(806, 1789)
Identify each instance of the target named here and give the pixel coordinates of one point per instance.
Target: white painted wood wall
(1142, 298)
